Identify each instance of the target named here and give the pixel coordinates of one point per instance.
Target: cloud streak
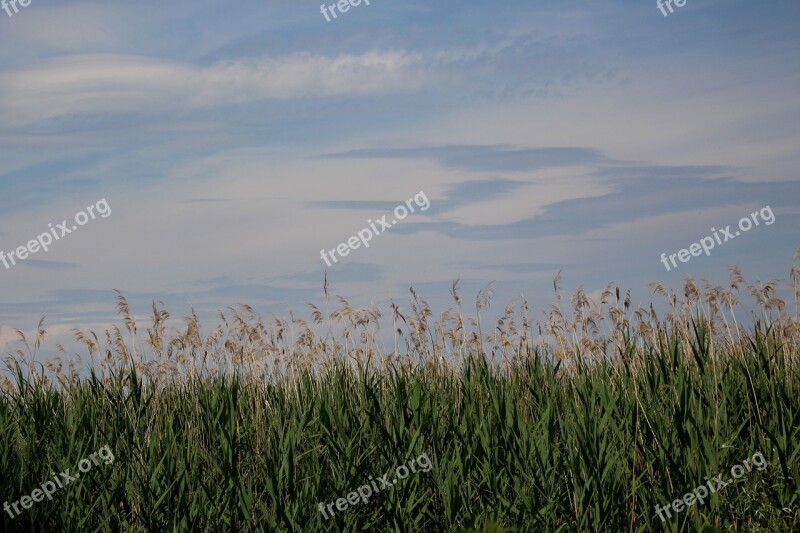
(486, 158)
(113, 83)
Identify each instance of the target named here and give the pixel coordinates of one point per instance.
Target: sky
(233, 142)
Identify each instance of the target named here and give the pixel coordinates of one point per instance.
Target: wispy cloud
(106, 83)
(486, 158)
(636, 194)
(455, 195)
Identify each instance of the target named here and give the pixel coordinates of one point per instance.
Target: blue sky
(234, 141)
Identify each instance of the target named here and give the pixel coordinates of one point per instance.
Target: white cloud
(96, 83)
(10, 340)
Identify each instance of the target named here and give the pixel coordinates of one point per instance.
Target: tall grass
(581, 422)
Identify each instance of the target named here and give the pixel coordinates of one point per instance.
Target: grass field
(583, 421)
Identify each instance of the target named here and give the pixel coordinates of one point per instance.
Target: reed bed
(583, 420)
